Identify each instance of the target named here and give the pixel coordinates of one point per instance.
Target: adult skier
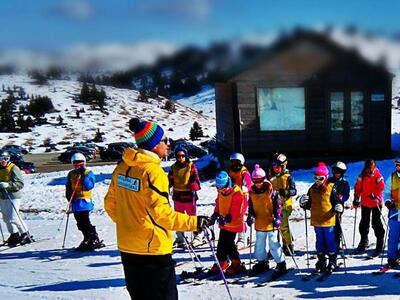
(342, 190)
(137, 201)
(11, 183)
(78, 190)
(184, 179)
(241, 177)
(284, 183)
(368, 193)
(324, 205)
(265, 208)
(392, 191)
(229, 212)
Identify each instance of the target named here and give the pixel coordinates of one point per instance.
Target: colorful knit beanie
(147, 134)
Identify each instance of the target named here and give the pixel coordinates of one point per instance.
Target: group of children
(266, 200)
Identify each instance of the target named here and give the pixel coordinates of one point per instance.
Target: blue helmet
(223, 180)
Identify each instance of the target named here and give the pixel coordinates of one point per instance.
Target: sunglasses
(180, 155)
(166, 141)
(319, 178)
(258, 180)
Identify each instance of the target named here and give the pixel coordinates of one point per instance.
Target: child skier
(185, 182)
(393, 192)
(265, 207)
(342, 190)
(80, 182)
(323, 204)
(369, 188)
(284, 183)
(241, 177)
(230, 208)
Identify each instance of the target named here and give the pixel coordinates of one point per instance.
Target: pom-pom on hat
(258, 172)
(321, 170)
(147, 134)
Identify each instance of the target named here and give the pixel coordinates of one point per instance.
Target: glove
(245, 189)
(4, 185)
(304, 200)
(250, 220)
(390, 204)
(80, 171)
(339, 208)
(356, 202)
(203, 222)
(282, 192)
(228, 218)
(277, 222)
(221, 221)
(214, 217)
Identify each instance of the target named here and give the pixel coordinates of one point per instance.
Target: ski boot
(94, 242)
(215, 270)
(13, 240)
(83, 246)
(235, 268)
(320, 266)
(362, 246)
(279, 270)
(332, 262)
(379, 248)
(260, 267)
(26, 238)
(392, 263)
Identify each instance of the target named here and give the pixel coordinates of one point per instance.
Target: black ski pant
(226, 246)
(150, 276)
(376, 225)
(83, 222)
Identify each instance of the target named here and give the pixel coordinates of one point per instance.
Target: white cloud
(74, 9)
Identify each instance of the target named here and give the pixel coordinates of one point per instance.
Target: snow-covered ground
(121, 106)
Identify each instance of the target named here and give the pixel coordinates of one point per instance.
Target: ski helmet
(223, 180)
(5, 156)
(237, 156)
(339, 166)
(78, 157)
(279, 159)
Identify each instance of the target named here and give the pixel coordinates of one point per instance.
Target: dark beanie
(147, 134)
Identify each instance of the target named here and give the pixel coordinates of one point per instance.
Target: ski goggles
(5, 158)
(166, 141)
(258, 180)
(319, 178)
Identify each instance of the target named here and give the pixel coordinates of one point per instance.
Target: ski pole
(386, 234)
(17, 212)
(305, 220)
(2, 234)
(207, 235)
(69, 207)
(344, 246)
(193, 255)
(290, 251)
(355, 221)
(251, 241)
(68, 204)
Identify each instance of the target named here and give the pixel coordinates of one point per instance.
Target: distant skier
(137, 201)
(11, 183)
(184, 179)
(392, 191)
(342, 190)
(241, 177)
(80, 182)
(265, 208)
(324, 205)
(229, 212)
(369, 187)
(284, 183)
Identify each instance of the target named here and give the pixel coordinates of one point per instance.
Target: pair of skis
(321, 276)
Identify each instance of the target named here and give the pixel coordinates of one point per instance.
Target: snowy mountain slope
(121, 106)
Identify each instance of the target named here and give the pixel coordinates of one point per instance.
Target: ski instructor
(137, 201)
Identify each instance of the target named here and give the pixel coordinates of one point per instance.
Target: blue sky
(56, 24)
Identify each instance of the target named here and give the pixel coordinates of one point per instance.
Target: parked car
(66, 156)
(193, 150)
(96, 148)
(15, 149)
(26, 167)
(114, 150)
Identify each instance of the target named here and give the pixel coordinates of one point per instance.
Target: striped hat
(147, 134)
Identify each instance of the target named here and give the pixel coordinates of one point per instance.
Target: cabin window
(337, 111)
(357, 110)
(281, 109)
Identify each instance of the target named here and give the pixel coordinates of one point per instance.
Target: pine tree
(85, 93)
(196, 131)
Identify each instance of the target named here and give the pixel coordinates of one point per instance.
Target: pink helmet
(258, 172)
(321, 170)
